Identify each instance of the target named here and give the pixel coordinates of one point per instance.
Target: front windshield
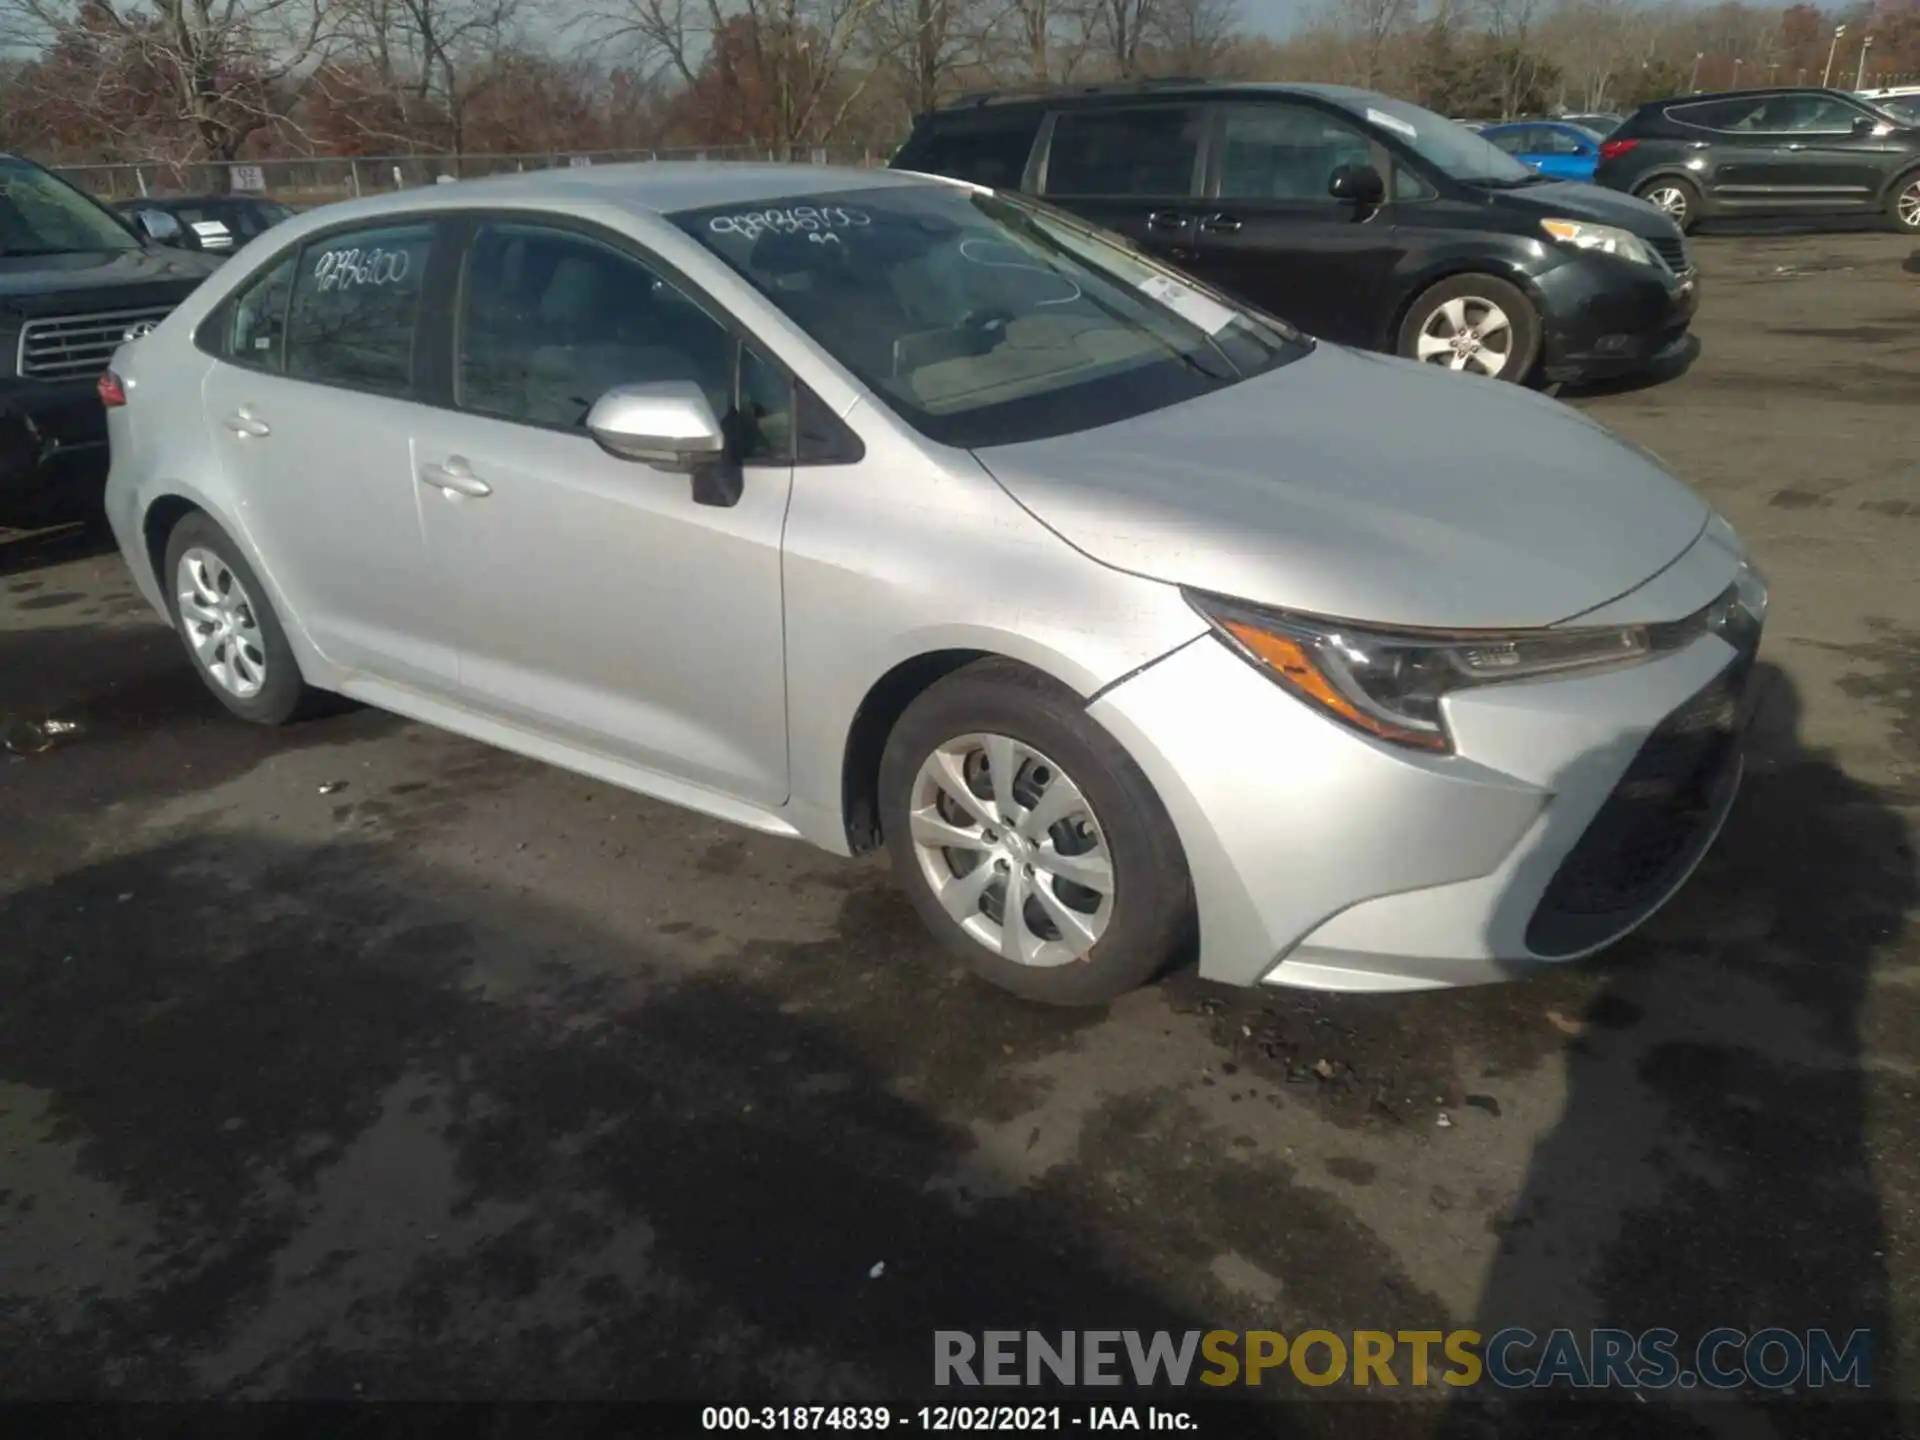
(1452, 149)
(41, 214)
(984, 320)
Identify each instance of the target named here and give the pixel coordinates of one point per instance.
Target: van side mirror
(1357, 185)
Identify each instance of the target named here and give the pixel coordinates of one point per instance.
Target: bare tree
(428, 59)
(211, 72)
(794, 54)
(1367, 28)
(926, 43)
(1197, 36)
(1119, 27)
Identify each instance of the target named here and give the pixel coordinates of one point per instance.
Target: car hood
(33, 276)
(1366, 488)
(1576, 201)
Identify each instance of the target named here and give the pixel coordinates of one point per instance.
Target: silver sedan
(879, 510)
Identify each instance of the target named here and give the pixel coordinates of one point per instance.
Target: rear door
(1270, 231)
(1134, 169)
(310, 406)
(1562, 152)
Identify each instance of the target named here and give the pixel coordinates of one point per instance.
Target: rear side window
(1715, 114)
(988, 149)
(255, 332)
(1149, 150)
(355, 301)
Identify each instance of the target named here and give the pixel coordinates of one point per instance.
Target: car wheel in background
(1677, 198)
(1029, 841)
(1903, 205)
(1475, 324)
(230, 632)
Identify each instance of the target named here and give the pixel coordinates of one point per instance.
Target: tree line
(133, 81)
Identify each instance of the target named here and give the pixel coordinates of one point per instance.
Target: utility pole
(1693, 80)
(1860, 72)
(1826, 76)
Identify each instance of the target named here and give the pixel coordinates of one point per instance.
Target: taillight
(1614, 149)
(113, 390)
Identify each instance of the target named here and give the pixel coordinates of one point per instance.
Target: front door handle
(1166, 220)
(243, 423)
(1219, 224)
(1795, 145)
(454, 478)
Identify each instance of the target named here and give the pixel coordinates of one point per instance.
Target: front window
(1451, 148)
(40, 214)
(986, 320)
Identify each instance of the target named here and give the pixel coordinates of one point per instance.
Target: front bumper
(1604, 317)
(1572, 810)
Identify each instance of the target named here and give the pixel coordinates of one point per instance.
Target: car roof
(1752, 93)
(658, 187)
(1054, 96)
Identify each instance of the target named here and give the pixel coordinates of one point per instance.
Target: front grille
(77, 347)
(1674, 252)
(1651, 828)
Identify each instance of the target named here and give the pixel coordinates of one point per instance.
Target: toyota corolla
(877, 510)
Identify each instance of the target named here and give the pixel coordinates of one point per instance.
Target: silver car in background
(874, 509)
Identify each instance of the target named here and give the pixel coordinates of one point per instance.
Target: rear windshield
(986, 319)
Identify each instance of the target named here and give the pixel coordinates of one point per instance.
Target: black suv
(74, 278)
(1767, 152)
(1360, 218)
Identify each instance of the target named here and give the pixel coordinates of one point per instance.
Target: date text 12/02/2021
(941, 1419)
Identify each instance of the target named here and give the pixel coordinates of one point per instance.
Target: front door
(1271, 232)
(600, 602)
(310, 407)
(1133, 169)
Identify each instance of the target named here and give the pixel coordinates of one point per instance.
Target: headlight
(1391, 686)
(1607, 239)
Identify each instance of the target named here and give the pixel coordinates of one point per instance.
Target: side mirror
(1358, 185)
(667, 423)
(159, 227)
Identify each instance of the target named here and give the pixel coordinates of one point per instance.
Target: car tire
(1106, 827)
(1903, 203)
(1449, 323)
(226, 624)
(1678, 199)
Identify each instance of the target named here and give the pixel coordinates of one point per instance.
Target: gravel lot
(360, 1060)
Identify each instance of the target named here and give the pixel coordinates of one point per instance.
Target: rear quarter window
(1712, 114)
(988, 150)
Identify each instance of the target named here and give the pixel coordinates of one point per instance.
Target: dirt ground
(360, 1060)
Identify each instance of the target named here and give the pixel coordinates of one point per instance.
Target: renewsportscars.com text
(1514, 1358)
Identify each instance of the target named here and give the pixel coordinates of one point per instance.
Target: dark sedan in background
(219, 224)
(1768, 152)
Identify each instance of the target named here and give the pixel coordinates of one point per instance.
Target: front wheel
(1678, 200)
(1029, 841)
(1903, 205)
(1475, 324)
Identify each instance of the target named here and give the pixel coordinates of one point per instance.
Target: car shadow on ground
(1711, 1166)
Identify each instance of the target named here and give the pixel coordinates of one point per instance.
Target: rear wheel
(1903, 205)
(1475, 324)
(230, 631)
(1029, 841)
(1677, 198)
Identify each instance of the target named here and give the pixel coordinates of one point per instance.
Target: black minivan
(1360, 218)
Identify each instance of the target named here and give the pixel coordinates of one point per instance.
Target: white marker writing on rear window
(348, 269)
(795, 220)
(1393, 122)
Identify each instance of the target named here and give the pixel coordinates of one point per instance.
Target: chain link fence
(318, 180)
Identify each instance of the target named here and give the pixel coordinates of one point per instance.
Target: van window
(988, 149)
(1144, 150)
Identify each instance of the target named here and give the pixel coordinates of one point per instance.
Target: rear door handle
(1218, 224)
(1166, 220)
(1795, 145)
(243, 424)
(454, 478)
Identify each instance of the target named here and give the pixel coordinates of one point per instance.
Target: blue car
(1553, 147)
